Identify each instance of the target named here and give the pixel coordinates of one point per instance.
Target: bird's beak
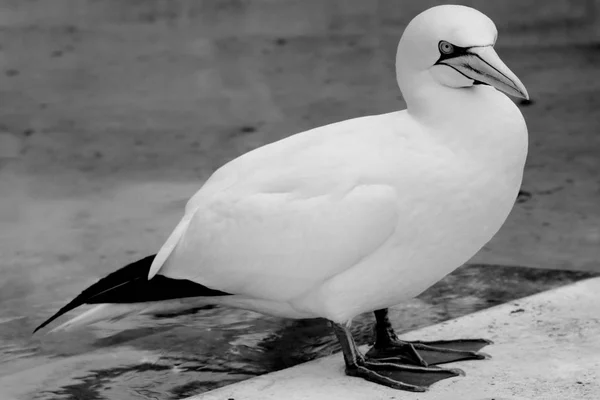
(482, 64)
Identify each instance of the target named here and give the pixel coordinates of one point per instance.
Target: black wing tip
(71, 305)
(130, 284)
(132, 271)
(43, 324)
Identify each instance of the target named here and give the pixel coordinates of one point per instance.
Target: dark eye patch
(457, 51)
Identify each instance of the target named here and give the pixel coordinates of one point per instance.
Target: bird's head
(453, 46)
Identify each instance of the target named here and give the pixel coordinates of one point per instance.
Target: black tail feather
(130, 284)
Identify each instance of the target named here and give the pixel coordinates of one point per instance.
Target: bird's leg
(389, 348)
(404, 377)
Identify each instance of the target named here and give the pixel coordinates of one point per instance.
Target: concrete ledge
(547, 346)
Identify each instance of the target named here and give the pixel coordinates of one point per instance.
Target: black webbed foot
(389, 348)
(395, 375)
(403, 377)
(429, 353)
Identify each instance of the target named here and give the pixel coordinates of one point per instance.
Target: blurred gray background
(113, 113)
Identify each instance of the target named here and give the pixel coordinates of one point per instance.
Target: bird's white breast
(450, 204)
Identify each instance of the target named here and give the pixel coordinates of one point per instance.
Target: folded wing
(284, 218)
(277, 246)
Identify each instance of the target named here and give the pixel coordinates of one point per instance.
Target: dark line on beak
(495, 69)
(460, 72)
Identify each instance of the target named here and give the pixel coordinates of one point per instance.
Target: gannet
(356, 216)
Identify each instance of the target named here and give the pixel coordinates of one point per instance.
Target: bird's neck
(432, 102)
(478, 121)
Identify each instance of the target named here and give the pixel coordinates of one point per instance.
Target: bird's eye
(446, 48)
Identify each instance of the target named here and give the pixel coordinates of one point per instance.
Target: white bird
(358, 215)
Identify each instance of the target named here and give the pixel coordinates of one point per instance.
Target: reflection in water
(172, 356)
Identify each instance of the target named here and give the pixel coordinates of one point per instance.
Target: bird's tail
(102, 312)
(128, 291)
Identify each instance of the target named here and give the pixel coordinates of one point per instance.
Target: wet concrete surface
(112, 118)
